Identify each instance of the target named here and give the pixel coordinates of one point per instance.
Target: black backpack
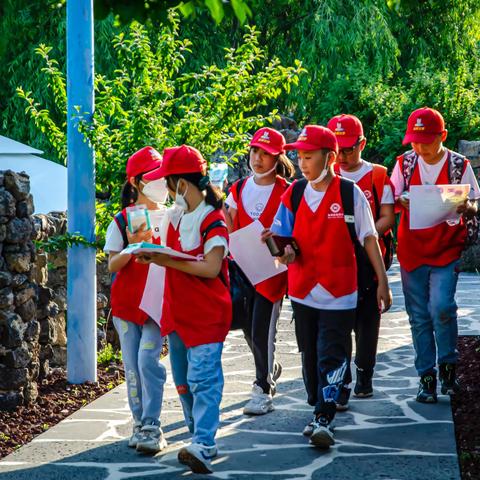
(365, 272)
(241, 290)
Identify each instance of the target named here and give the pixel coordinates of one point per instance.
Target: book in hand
(276, 244)
(146, 247)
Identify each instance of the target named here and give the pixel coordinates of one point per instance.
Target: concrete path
(387, 437)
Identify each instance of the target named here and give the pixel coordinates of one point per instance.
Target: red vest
(273, 288)
(367, 183)
(198, 309)
(436, 246)
(327, 255)
(127, 289)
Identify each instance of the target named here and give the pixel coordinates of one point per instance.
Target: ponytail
(285, 166)
(129, 193)
(214, 195)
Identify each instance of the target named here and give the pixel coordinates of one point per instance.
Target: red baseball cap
(423, 125)
(314, 137)
(270, 140)
(145, 160)
(347, 129)
(178, 160)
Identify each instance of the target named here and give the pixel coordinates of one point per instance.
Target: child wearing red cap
(375, 184)
(257, 197)
(197, 309)
(429, 257)
(140, 338)
(322, 278)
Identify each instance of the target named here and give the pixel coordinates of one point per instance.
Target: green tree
(153, 98)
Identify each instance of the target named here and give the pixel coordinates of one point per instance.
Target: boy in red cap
(330, 218)
(257, 197)
(145, 374)
(375, 184)
(429, 257)
(197, 305)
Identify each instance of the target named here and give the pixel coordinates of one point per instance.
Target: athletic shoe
(198, 457)
(322, 435)
(342, 402)
(448, 379)
(427, 390)
(260, 403)
(363, 385)
(152, 440)
(135, 437)
(277, 371)
(309, 427)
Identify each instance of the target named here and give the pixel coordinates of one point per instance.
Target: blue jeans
(144, 373)
(430, 302)
(198, 376)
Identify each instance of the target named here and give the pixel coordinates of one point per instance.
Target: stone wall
(33, 294)
(51, 278)
(19, 327)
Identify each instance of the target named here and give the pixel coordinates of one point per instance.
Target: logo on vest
(303, 135)
(335, 211)
(265, 138)
(368, 194)
(419, 125)
(339, 130)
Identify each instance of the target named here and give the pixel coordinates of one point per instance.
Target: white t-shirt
(364, 226)
(254, 198)
(114, 239)
(429, 175)
(367, 167)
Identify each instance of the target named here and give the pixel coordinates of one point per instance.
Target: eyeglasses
(348, 151)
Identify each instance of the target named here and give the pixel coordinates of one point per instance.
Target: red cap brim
(155, 174)
(419, 138)
(346, 141)
(308, 147)
(269, 149)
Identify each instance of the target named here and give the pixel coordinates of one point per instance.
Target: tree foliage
(153, 98)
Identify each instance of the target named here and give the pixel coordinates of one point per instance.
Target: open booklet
(145, 247)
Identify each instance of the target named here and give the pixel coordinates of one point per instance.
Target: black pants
(325, 342)
(260, 333)
(367, 326)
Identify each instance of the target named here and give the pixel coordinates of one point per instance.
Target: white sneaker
(151, 440)
(322, 435)
(198, 457)
(260, 403)
(135, 437)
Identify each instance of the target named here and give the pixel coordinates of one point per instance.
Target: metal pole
(81, 283)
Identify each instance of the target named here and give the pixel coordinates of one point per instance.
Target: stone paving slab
(388, 437)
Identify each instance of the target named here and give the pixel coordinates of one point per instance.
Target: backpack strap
(298, 188)
(239, 186)
(346, 192)
(409, 160)
(214, 224)
(122, 226)
(456, 167)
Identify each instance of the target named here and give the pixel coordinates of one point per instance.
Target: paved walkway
(387, 437)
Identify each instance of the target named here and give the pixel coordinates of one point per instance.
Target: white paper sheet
(152, 300)
(252, 255)
(145, 247)
(431, 205)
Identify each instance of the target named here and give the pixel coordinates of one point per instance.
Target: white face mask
(322, 175)
(156, 191)
(261, 175)
(180, 201)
